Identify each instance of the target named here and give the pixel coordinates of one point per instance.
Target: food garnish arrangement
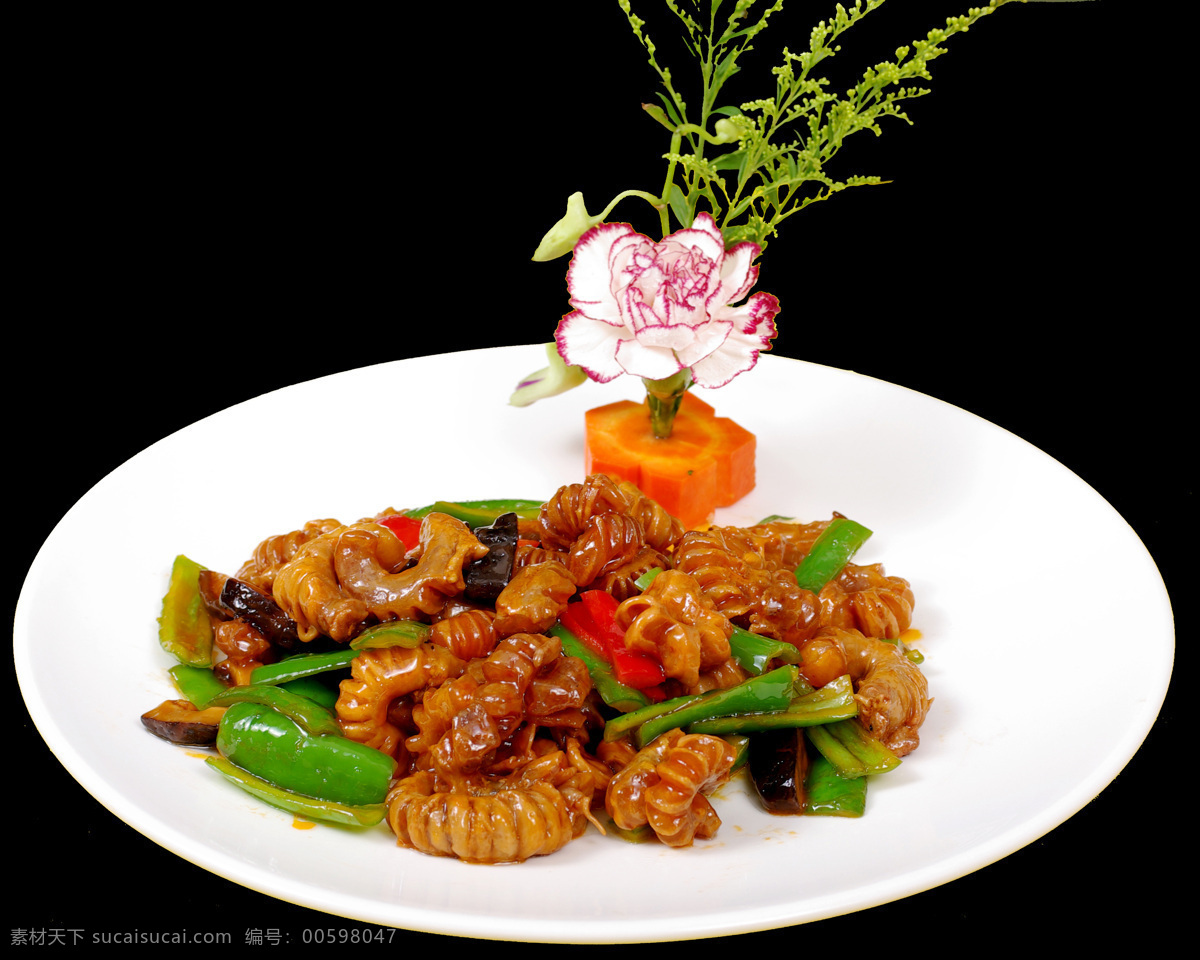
(492, 679)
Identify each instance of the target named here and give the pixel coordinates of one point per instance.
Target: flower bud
(728, 131)
(560, 240)
(547, 382)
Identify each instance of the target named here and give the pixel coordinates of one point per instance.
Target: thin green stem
(664, 397)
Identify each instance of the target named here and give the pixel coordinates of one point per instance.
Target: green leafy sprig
(756, 163)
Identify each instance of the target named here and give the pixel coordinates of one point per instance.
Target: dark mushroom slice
(778, 762)
(180, 722)
(260, 611)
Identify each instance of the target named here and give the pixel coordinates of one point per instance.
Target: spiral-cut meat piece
(782, 609)
(721, 677)
(665, 785)
(534, 811)
(557, 693)
(371, 565)
(621, 580)
(563, 516)
(529, 552)
(724, 573)
(677, 807)
(307, 589)
(625, 798)
(275, 551)
(467, 634)
(616, 755)
(462, 722)
(673, 620)
(891, 691)
(607, 539)
(662, 529)
(534, 598)
(864, 598)
(742, 574)
(377, 678)
(792, 540)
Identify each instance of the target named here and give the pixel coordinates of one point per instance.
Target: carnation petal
(738, 275)
(589, 276)
(692, 238)
(705, 341)
(590, 344)
(752, 329)
(704, 222)
(651, 363)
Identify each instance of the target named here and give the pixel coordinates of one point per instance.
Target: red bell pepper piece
(633, 668)
(407, 528)
(578, 619)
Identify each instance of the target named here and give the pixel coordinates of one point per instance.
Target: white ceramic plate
(985, 782)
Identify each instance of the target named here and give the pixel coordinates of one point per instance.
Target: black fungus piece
(488, 575)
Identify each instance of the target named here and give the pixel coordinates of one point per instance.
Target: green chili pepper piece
(617, 695)
(311, 716)
(359, 815)
(302, 665)
(314, 689)
(184, 629)
(618, 727)
(480, 513)
(834, 701)
(394, 633)
(273, 747)
(197, 684)
(828, 794)
(755, 653)
(830, 552)
(772, 691)
(852, 751)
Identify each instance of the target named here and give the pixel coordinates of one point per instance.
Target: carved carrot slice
(707, 462)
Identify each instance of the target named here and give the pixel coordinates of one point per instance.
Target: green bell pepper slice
(831, 551)
(303, 665)
(184, 628)
(829, 794)
(357, 815)
(274, 748)
(315, 689)
(312, 718)
(769, 692)
(754, 653)
(832, 702)
(198, 685)
(392, 633)
(852, 751)
(480, 513)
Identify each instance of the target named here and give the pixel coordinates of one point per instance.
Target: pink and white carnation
(653, 309)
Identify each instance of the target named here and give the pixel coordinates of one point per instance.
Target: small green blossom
(556, 378)
(561, 238)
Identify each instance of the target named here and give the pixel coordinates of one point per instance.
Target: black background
(221, 206)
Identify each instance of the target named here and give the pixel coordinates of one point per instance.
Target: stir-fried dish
(490, 679)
